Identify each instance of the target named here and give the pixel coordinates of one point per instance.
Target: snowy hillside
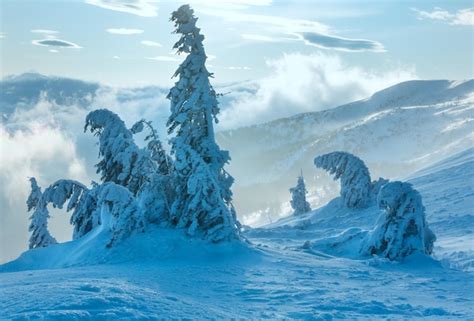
(278, 275)
(396, 131)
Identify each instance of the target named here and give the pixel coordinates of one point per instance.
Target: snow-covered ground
(161, 274)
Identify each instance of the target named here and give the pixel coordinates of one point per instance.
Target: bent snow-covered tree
(354, 175)
(119, 212)
(194, 109)
(401, 229)
(298, 197)
(81, 200)
(122, 161)
(40, 236)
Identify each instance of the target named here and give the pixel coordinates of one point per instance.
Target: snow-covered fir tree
(298, 197)
(40, 236)
(81, 200)
(199, 160)
(354, 175)
(122, 161)
(401, 228)
(158, 154)
(119, 212)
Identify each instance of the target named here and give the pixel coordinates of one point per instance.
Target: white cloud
(210, 57)
(303, 83)
(239, 68)
(44, 31)
(143, 8)
(262, 38)
(462, 17)
(283, 29)
(163, 58)
(2, 35)
(230, 4)
(39, 148)
(124, 31)
(116, 57)
(150, 43)
(53, 51)
(54, 42)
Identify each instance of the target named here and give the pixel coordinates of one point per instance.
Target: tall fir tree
(199, 160)
(298, 197)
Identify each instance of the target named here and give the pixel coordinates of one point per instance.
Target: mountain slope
(396, 132)
(163, 275)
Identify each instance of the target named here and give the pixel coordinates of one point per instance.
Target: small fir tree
(40, 236)
(298, 197)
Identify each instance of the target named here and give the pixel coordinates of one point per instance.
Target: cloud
(33, 145)
(339, 43)
(163, 58)
(116, 57)
(143, 8)
(239, 68)
(53, 51)
(283, 29)
(53, 42)
(462, 17)
(44, 31)
(150, 43)
(262, 38)
(230, 4)
(302, 83)
(2, 35)
(124, 31)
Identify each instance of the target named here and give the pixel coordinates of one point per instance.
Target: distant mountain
(396, 132)
(26, 90)
(23, 92)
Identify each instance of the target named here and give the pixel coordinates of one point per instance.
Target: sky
(129, 42)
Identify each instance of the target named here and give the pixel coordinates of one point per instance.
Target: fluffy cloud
(143, 8)
(53, 42)
(302, 83)
(124, 31)
(150, 43)
(463, 17)
(33, 145)
(44, 31)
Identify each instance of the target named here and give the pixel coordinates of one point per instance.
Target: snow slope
(161, 274)
(396, 131)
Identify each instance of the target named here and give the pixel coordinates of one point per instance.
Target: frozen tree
(354, 175)
(40, 236)
(120, 212)
(154, 145)
(80, 199)
(199, 160)
(122, 161)
(401, 228)
(298, 197)
(204, 212)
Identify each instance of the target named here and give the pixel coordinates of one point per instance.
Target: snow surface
(287, 270)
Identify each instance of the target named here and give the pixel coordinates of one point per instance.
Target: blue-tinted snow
(162, 274)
